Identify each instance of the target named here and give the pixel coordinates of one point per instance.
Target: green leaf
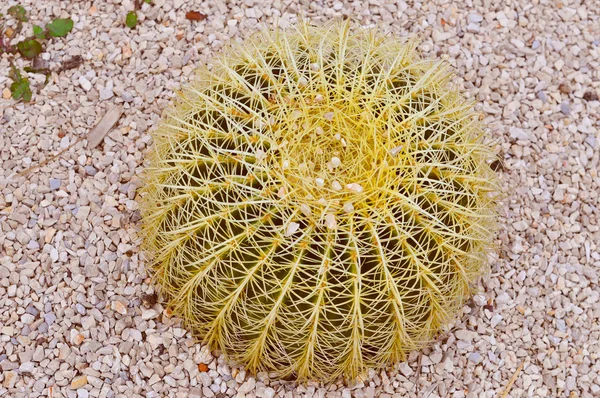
(38, 32)
(20, 87)
(60, 27)
(19, 13)
(147, 1)
(131, 19)
(29, 48)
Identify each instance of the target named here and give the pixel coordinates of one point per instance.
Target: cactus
(319, 201)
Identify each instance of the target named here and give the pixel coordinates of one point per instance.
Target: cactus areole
(319, 201)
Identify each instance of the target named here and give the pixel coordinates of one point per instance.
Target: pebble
(79, 382)
(518, 134)
(475, 357)
(117, 306)
(85, 83)
(50, 318)
(126, 96)
(542, 96)
(90, 170)
(54, 183)
(26, 367)
(247, 386)
(496, 320)
(474, 18)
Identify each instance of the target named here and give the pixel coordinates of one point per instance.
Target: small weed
(20, 87)
(131, 19)
(29, 48)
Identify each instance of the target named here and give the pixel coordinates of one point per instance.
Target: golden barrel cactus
(319, 201)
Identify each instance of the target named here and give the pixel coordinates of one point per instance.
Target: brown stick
(512, 381)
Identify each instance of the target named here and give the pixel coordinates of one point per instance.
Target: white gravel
(77, 318)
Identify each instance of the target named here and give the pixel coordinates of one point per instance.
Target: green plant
(29, 48)
(131, 19)
(319, 202)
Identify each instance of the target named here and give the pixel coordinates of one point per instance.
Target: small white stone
(335, 162)
(118, 307)
(302, 82)
(281, 192)
(496, 320)
(473, 28)
(135, 334)
(305, 209)
(292, 228)
(318, 98)
(260, 154)
(106, 93)
(149, 314)
(518, 134)
(269, 392)
(85, 83)
(319, 131)
(336, 186)
(26, 367)
(285, 164)
(396, 150)
(348, 207)
(354, 187)
(54, 255)
(320, 182)
(247, 386)
(405, 369)
(480, 299)
(475, 357)
(330, 221)
(329, 116)
(322, 201)
(314, 67)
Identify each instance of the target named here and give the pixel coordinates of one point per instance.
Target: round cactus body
(319, 202)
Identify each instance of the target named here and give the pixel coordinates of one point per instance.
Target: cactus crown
(319, 202)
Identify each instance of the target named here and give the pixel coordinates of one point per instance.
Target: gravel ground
(78, 316)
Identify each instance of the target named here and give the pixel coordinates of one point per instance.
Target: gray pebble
(90, 170)
(26, 367)
(50, 318)
(32, 310)
(564, 108)
(591, 141)
(43, 328)
(475, 357)
(33, 245)
(474, 18)
(542, 96)
(80, 308)
(54, 184)
(83, 393)
(126, 96)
